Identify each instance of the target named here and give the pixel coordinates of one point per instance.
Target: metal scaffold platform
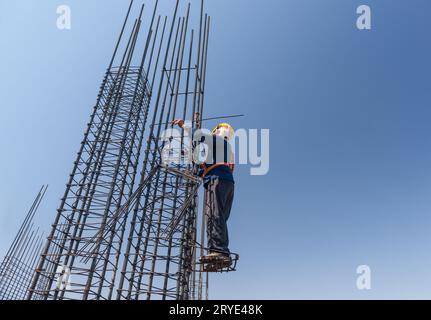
(19, 263)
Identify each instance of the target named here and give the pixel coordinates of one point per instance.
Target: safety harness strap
(210, 168)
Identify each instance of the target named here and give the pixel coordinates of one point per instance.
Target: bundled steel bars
(16, 269)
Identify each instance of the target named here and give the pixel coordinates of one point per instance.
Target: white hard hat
(224, 130)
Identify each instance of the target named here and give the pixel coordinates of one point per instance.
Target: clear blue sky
(349, 113)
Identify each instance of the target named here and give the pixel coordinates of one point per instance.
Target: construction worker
(217, 173)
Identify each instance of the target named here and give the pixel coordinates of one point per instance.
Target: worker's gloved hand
(179, 122)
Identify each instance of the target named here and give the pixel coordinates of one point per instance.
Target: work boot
(212, 256)
(218, 258)
(217, 265)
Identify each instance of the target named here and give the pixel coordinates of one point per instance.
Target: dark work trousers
(218, 203)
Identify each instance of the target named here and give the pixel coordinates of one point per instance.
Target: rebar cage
(126, 227)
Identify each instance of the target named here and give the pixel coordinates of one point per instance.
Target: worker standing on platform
(217, 173)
